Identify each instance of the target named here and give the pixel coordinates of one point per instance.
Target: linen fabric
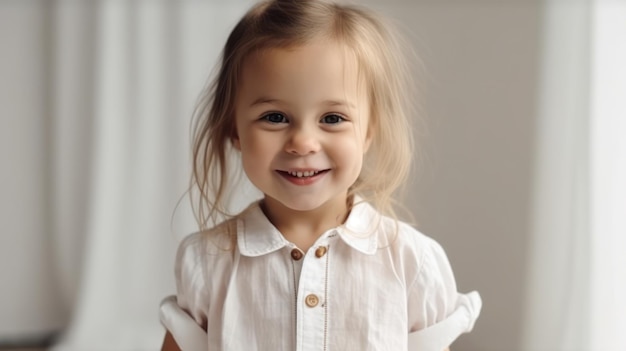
(371, 284)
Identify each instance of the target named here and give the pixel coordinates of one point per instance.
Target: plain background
(472, 184)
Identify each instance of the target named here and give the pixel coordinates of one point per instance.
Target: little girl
(311, 98)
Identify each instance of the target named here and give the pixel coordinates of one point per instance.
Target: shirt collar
(257, 236)
(360, 230)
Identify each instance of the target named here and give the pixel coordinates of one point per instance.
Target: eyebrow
(266, 100)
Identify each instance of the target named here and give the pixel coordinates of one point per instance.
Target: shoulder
(204, 264)
(208, 248)
(404, 240)
(427, 248)
(216, 245)
(409, 241)
(220, 238)
(423, 260)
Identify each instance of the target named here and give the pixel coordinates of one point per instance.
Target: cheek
(255, 143)
(256, 150)
(350, 154)
(252, 162)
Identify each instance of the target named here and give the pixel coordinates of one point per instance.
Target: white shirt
(366, 285)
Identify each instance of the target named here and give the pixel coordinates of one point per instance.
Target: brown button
(311, 300)
(296, 254)
(321, 251)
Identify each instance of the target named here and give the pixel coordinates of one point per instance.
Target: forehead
(316, 70)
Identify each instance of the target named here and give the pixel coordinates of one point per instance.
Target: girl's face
(302, 124)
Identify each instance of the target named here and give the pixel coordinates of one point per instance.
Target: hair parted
(382, 66)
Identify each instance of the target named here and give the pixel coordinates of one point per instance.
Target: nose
(303, 141)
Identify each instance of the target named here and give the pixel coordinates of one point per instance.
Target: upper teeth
(303, 174)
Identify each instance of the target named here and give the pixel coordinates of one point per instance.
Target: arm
(183, 332)
(169, 344)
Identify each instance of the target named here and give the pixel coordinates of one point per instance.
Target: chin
(302, 206)
(301, 202)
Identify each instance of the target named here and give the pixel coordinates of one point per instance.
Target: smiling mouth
(303, 174)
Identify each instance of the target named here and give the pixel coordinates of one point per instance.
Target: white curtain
(96, 135)
(150, 63)
(608, 177)
(29, 300)
(577, 280)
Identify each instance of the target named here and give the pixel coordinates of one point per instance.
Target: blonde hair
(291, 23)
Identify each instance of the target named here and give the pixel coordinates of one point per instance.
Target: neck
(303, 228)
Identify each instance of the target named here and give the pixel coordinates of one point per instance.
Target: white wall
(471, 193)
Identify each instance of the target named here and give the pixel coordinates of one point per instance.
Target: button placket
(311, 310)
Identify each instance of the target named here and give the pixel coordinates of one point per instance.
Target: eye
(332, 119)
(275, 117)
